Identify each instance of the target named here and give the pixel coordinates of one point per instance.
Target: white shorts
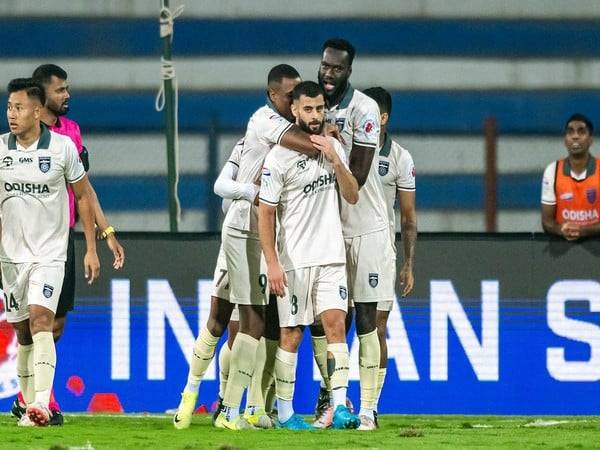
(247, 282)
(31, 284)
(385, 306)
(221, 277)
(371, 266)
(310, 291)
(235, 314)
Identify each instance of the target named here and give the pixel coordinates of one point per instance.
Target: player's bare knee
(40, 319)
(23, 333)
(290, 339)
(58, 328)
(365, 318)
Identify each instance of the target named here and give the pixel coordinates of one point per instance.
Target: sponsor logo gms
(27, 188)
(580, 215)
(25, 159)
(322, 180)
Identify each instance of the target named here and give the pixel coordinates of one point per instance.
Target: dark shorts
(66, 301)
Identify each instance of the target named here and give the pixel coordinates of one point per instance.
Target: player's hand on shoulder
(332, 130)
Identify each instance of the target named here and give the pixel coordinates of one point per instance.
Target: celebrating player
(268, 126)
(397, 172)
(369, 251)
(36, 163)
(308, 269)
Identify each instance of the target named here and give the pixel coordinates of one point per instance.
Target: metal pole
(170, 127)
(491, 174)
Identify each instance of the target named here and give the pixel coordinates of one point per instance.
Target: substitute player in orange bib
(570, 200)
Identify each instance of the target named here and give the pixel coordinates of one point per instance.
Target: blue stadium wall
(497, 324)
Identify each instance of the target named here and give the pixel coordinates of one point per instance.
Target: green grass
(410, 432)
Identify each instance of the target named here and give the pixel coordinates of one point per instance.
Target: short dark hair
(581, 118)
(340, 44)
(281, 71)
(44, 73)
(382, 97)
(308, 88)
(33, 88)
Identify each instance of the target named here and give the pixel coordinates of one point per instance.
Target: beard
(58, 111)
(306, 127)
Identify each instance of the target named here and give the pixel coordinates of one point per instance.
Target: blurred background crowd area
(450, 65)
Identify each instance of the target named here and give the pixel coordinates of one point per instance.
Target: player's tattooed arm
(296, 139)
(83, 195)
(266, 232)
(408, 221)
(360, 162)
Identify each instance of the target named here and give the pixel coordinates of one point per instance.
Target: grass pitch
(411, 432)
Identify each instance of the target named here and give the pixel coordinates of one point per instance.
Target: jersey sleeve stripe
(408, 189)
(234, 163)
(76, 179)
(548, 203)
(268, 202)
(365, 144)
(283, 132)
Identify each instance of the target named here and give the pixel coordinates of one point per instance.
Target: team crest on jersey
(44, 163)
(384, 167)
(369, 126)
(591, 195)
(7, 161)
(373, 279)
(266, 172)
(343, 292)
(339, 123)
(47, 291)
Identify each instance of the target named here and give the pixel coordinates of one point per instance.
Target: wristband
(107, 231)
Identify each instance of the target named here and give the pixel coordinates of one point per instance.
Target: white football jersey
(265, 129)
(33, 197)
(304, 191)
(357, 118)
(397, 171)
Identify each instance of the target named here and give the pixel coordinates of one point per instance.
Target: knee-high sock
(255, 399)
(319, 344)
(338, 362)
(270, 396)
(224, 360)
(243, 359)
(285, 381)
(25, 372)
(269, 371)
(204, 350)
(44, 364)
(380, 381)
(368, 361)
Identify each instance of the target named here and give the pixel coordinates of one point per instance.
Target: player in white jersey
(369, 251)
(268, 126)
(35, 163)
(307, 270)
(397, 172)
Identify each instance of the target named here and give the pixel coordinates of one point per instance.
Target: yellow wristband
(107, 231)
